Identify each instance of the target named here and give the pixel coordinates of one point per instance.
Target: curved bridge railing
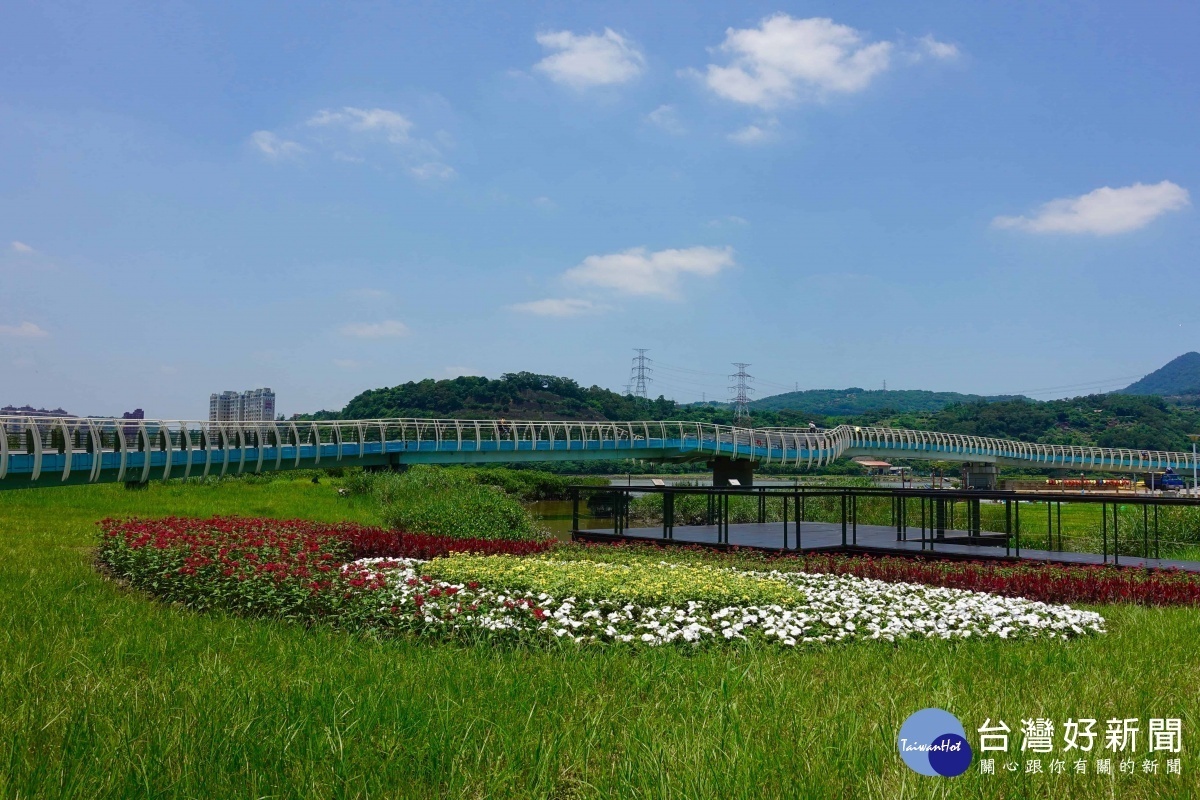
(63, 450)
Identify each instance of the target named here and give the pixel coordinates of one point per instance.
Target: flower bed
(1048, 582)
(298, 570)
(504, 597)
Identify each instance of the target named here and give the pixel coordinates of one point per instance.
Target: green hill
(855, 401)
(1180, 376)
(1105, 420)
(519, 395)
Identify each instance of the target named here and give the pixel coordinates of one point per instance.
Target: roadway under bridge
(56, 451)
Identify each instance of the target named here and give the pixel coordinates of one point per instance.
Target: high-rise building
(252, 405)
(258, 404)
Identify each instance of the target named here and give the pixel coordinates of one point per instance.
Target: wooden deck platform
(873, 539)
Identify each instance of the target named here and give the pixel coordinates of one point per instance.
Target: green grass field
(105, 693)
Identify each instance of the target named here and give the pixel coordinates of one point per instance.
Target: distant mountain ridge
(854, 401)
(1180, 376)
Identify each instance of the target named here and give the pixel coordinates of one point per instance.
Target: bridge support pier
(391, 467)
(980, 476)
(724, 468)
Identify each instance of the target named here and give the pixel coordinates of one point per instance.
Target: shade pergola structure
(876, 466)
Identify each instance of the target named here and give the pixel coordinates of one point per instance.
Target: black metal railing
(928, 517)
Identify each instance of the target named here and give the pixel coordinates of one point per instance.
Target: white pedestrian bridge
(45, 451)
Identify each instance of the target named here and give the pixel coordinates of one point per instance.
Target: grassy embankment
(104, 693)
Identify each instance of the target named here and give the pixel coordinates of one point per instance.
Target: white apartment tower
(253, 405)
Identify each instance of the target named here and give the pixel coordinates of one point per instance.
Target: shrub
(449, 503)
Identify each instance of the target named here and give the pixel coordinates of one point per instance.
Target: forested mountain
(853, 401)
(1180, 376)
(1106, 420)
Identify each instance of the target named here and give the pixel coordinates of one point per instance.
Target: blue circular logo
(933, 742)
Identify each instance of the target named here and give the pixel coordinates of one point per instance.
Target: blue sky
(325, 198)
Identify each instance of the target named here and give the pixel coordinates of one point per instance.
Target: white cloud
(374, 330)
(21, 247)
(392, 126)
(638, 272)
(275, 147)
(545, 202)
(753, 134)
(1102, 212)
(666, 118)
(433, 171)
(584, 60)
(557, 307)
(784, 59)
(25, 330)
(732, 219)
(943, 51)
(357, 136)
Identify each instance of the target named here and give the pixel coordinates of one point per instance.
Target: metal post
(722, 533)
(1049, 526)
(785, 515)
(1156, 530)
(1145, 531)
(1058, 513)
(725, 516)
(575, 509)
(922, 499)
(1195, 485)
(1007, 527)
(843, 518)
(1104, 530)
(798, 501)
(1116, 551)
(896, 514)
(1017, 517)
(854, 509)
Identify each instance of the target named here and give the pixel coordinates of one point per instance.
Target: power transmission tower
(639, 374)
(742, 391)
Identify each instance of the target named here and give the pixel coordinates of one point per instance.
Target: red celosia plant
(1048, 582)
(379, 543)
(289, 568)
